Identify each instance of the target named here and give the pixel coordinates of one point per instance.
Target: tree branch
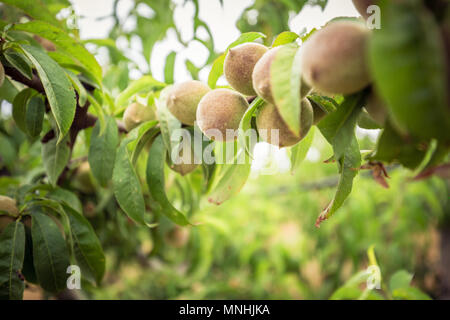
(35, 83)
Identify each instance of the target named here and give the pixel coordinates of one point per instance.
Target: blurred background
(262, 243)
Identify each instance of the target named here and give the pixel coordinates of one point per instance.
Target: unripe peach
(8, 205)
(4, 221)
(261, 77)
(183, 100)
(136, 113)
(269, 119)
(83, 179)
(239, 64)
(221, 110)
(334, 59)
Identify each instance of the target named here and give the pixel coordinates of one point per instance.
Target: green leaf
(145, 83)
(55, 157)
(98, 111)
(400, 279)
(126, 185)
(217, 67)
(246, 37)
(115, 53)
(300, 150)
(55, 207)
(233, 177)
(339, 127)
(408, 64)
(8, 90)
(66, 44)
(9, 153)
(146, 132)
(326, 103)
(67, 197)
(216, 71)
(245, 126)
(20, 62)
(392, 147)
(285, 79)
(167, 122)
(88, 250)
(349, 166)
(284, 38)
(20, 107)
(193, 69)
(169, 67)
(35, 9)
(12, 253)
(35, 116)
(365, 121)
(28, 269)
(102, 150)
(59, 90)
(82, 93)
(155, 180)
(49, 253)
(409, 293)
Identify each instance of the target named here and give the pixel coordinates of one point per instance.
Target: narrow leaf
(300, 150)
(12, 253)
(284, 38)
(146, 83)
(20, 108)
(126, 185)
(67, 197)
(49, 253)
(169, 67)
(245, 126)
(35, 116)
(102, 150)
(64, 43)
(167, 122)
(58, 88)
(233, 178)
(155, 180)
(285, 79)
(55, 157)
(88, 250)
(20, 62)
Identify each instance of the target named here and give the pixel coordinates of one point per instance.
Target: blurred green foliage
(263, 244)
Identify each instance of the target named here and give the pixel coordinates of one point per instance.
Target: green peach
(334, 59)
(239, 64)
(221, 110)
(269, 119)
(184, 98)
